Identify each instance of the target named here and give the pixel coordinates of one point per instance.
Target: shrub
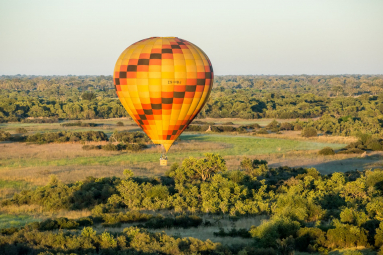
(344, 236)
(85, 221)
(120, 124)
(9, 231)
(273, 126)
(263, 132)
(112, 147)
(135, 147)
(352, 253)
(88, 232)
(254, 126)
(78, 124)
(91, 147)
(4, 136)
(59, 223)
(298, 127)
(308, 239)
(60, 137)
(379, 235)
(129, 137)
(326, 151)
(242, 232)
(287, 126)
(40, 120)
(277, 228)
(309, 132)
(351, 151)
(374, 146)
(21, 130)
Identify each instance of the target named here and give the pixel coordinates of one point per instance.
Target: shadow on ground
(341, 165)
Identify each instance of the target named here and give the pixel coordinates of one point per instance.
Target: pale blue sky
(57, 37)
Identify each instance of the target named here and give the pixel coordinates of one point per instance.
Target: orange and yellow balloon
(163, 83)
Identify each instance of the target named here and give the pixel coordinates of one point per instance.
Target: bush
(4, 136)
(326, 151)
(242, 232)
(91, 147)
(298, 127)
(309, 132)
(112, 147)
(374, 145)
(56, 195)
(129, 137)
(263, 132)
(344, 236)
(21, 130)
(120, 124)
(351, 151)
(287, 126)
(40, 120)
(308, 239)
(61, 137)
(59, 223)
(78, 124)
(273, 126)
(276, 228)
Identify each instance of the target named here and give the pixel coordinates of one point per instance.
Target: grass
(7, 220)
(34, 164)
(236, 145)
(9, 187)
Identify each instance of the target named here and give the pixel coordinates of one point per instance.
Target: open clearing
(24, 165)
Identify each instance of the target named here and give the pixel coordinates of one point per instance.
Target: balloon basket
(163, 162)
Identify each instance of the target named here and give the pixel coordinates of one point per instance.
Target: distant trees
(248, 97)
(88, 95)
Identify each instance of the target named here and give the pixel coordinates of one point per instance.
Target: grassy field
(8, 220)
(25, 165)
(34, 163)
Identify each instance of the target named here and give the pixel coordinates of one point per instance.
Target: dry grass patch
(296, 135)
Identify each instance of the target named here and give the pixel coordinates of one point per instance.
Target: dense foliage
(63, 136)
(307, 211)
(85, 97)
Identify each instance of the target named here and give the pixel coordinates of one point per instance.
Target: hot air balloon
(163, 83)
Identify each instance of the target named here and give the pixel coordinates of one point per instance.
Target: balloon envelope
(163, 83)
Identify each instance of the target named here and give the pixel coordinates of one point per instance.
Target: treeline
(323, 85)
(134, 141)
(250, 97)
(307, 211)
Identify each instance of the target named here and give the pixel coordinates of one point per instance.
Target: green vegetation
(326, 151)
(234, 146)
(309, 132)
(62, 137)
(208, 195)
(78, 124)
(13, 221)
(307, 211)
(343, 101)
(115, 147)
